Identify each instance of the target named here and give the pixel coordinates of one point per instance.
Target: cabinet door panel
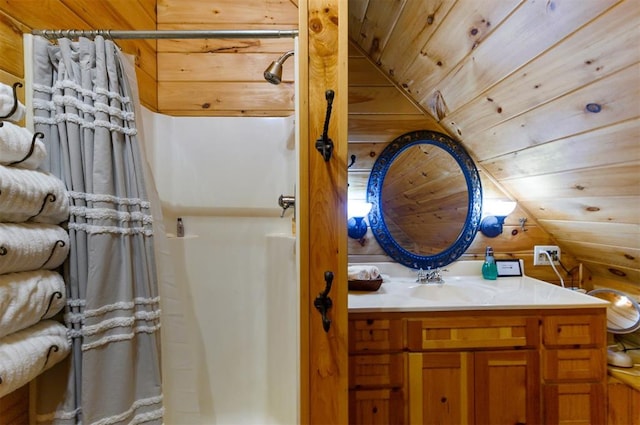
(571, 364)
(507, 387)
(441, 388)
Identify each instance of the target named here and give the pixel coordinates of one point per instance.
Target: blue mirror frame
(474, 210)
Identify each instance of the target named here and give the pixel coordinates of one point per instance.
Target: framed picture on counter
(508, 268)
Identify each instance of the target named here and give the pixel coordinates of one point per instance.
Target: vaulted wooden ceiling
(543, 93)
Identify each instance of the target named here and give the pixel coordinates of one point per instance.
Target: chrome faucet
(430, 276)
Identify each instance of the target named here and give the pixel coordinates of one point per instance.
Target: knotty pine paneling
(17, 17)
(272, 12)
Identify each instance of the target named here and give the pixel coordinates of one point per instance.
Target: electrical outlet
(540, 259)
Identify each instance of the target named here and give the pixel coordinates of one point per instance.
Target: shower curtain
(82, 105)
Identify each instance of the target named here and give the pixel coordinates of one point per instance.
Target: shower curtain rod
(166, 34)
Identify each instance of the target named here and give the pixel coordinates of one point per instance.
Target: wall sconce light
(357, 211)
(496, 212)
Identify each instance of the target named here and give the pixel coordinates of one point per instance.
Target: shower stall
(235, 266)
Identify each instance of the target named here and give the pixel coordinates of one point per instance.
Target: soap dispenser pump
(489, 268)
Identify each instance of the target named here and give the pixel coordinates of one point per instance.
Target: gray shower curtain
(82, 105)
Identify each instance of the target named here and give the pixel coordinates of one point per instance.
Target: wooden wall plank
(363, 73)
(11, 46)
(628, 257)
(379, 100)
(218, 96)
(227, 11)
(217, 67)
(276, 46)
(385, 128)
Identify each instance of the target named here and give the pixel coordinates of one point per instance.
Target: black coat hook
(324, 144)
(323, 302)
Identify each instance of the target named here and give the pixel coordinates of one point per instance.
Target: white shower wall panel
(228, 162)
(211, 171)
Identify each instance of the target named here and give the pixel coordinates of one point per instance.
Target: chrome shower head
(273, 73)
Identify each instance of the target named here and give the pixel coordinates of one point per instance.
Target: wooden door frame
(321, 208)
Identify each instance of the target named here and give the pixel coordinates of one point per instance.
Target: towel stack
(33, 245)
(363, 272)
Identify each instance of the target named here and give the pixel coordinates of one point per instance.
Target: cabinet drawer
(375, 335)
(574, 403)
(574, 364)
(574, 330)
(472, 332)
(376, 370)
(377, 407)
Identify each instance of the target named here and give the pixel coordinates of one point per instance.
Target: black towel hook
(323, 302)
(324, 144)
(36, 135)
(14, 108)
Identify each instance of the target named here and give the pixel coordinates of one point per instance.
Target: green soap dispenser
(489, 268)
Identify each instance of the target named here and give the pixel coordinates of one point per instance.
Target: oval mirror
(426, 199)
(623, 312)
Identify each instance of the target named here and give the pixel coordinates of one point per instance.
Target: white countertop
(464, 290)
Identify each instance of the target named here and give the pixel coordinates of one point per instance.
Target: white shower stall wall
(236, 263)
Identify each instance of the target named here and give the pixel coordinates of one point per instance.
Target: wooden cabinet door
(441, 388)
(507, 387)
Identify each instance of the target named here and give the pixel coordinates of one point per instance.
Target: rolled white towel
(32, 246)
(7, 101)
(363, 272)
(32, 195)
(27, 353)
(15, 144)
(29, 297)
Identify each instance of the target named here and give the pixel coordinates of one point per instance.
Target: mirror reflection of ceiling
(426, 198)
(425, 193)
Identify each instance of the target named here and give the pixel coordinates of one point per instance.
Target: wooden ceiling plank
(488, 64)
(614, 144)
(274, 12)
(379, 20)
(357, 11)
(566, 116)
(462, 30)
(607, 45)
(586, 251)
(225, 45)
(619, 180)
(621, 235)
(417, 23)
(605, 209)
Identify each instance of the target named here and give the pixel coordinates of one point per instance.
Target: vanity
(512, 351)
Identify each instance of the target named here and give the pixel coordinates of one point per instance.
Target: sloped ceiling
(543, 94)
